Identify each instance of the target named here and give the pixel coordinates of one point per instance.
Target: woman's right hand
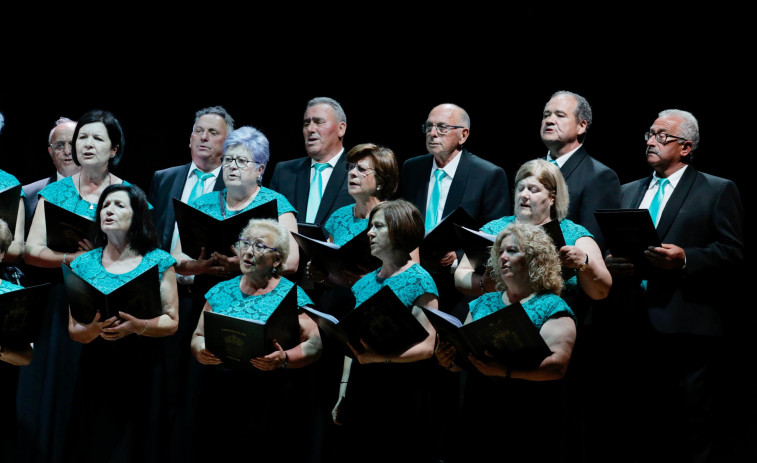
(338, 412)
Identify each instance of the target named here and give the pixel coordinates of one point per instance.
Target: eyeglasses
(661, 137)
(61, 145)
(258, 247)
(241, 162)
(362, 171)
(441, 129)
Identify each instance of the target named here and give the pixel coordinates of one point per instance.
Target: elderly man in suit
(439, 182)
(674, 325)
(59, 148)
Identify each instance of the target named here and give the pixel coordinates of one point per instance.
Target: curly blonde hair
(544, 268)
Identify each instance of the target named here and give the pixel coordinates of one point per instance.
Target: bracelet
(343, 382)
(65, 254)
(481, 283)
(286, 360)
(143, 331)
(585, 265)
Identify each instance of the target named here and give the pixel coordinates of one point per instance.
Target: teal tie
(199, 187)
(654, 206)
(654, 209)
(432, 215)
(554, 162)
(316, 191)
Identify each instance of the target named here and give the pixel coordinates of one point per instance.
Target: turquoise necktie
(654, 206)
(199, 187)
(554, 162)
(316, 191)
(654, 209)
(432, 210)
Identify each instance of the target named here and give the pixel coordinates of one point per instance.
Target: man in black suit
(591, 185)
(211, 125)
(671, 353)
(324, 126)
(59, 148)
(470, 182)
(479, 187)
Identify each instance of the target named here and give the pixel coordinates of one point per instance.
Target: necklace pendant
(91, 206)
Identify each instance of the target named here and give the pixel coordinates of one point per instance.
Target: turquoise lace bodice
(226, 298)
(210, 203)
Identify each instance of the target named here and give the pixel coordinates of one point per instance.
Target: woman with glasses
(245, 157)
(372, 175)
(271, 399)
(119, 402)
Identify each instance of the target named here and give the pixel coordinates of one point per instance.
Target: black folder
(628, 233)
(382, 321)
(21, 314)
(312, 230)
(354, 255)
(477, 246)
(443, 238)
(198, 229)
(508, 335)
(139, 297)
(236, 341)
(65, 228)
(9, 200)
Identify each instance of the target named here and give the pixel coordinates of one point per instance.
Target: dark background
(388, 68)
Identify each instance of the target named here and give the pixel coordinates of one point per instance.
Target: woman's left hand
(572, 256)
(273, 361)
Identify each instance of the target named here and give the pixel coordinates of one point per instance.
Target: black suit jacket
(591, 186)
(704, 216)
(292, 179)
(31, 200)
(166, 185)
(479, 186)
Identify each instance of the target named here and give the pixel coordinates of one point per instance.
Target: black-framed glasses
(244, 244)
(241, 162)
(362, 171)
(661, 137)
(441, 129)
(61, 145)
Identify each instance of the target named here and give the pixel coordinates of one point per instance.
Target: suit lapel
(459, 183)
(676, 201)
(638, 195)
(573, 162)
(302, 188)
(336, 182)
(177, 187)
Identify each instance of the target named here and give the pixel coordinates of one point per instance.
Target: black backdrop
(388, 70)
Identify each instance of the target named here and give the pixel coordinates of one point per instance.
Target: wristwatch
(585, 265)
